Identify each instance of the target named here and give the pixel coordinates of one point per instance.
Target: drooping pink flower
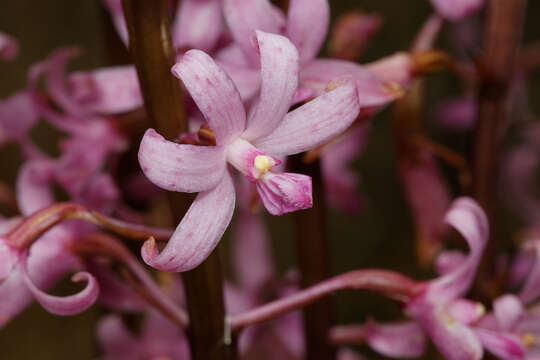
(454, 10)
(440, 309)
(243, 142)
(9, 47)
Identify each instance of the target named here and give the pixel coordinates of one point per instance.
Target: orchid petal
(215, 94)
(531, 288)
(198, 24)
(245, 16)
(116, 340)
(373, 91)
(307, 25)
(504, 346)
(283, 193)
(9, 47)
(466, 216)
(177, 167)
(399, 340)
(198, 233)
(35, 186)
(251, 251)
(457, 9)
(457, 114)
(448, 261)
(117, 15)
(67, 305)
(107, 91)
(246, 80)
(508, 311)
(394, 69)
(348, 354)
(351, 34)
(279, 80)
(466, 311)
(313, 123)
(8, 259)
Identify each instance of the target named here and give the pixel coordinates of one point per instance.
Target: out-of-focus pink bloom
(429, 200)
(351, 33)
(9, 47)
(530, 262)
(454, 10)
(340, 181)
(306, 25)
(117, 15)
(457, 114)
(395, 340)
(159, 339)
(434, 308)
(242, 141)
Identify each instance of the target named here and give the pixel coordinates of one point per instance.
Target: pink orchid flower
(242, 143)
(306, 26)
(9, 47)
(159, 339)
(455, 10)
(440, 309)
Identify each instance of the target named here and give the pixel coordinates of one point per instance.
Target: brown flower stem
(502, 38)
(99, 244)
(153, 54)
(388, 283)
(313, 261)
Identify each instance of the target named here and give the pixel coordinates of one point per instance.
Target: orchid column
(151, 48)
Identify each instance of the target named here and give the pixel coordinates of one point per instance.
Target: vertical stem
(153, 54)
(502, 37)
(312, 253)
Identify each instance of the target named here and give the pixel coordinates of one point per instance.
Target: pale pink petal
(457, 114)
(351, 34)
(198, 233)
(177, 167)
(8, 259)
(246, 16)
(246, 80)
(508, 311)
(454, 340)
(279, 80)
(399, 340)
(466, 216)
(307, 25)
(161, 338)
(232, 55)
(252, 252)
(289, 328)
(67, 305)
(117, 342)
(504, 346)
(117, 15)
(107, 91)
(372, 90)
(466, 311)
(9, 47)
(198, 24)
(34, 186)
(394, 69)
(449, 260)
(313, 123)
(215, 94)
(457, 9)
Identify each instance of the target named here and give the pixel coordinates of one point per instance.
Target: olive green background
(381, 236)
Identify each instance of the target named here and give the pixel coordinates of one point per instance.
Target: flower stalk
(153, 54)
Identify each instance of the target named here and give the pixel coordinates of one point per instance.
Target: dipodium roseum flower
(457, 9)
(243, 142)
(440, 309)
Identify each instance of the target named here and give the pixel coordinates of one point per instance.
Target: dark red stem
(388, 283)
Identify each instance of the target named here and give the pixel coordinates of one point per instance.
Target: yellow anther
(263, 163)
(528, 339)
(480, 309)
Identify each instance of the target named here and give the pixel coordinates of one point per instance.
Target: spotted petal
(198, 24)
